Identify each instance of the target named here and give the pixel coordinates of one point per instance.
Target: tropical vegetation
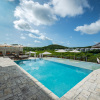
(89, 56)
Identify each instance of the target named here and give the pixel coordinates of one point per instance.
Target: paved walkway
(87, 89)
(17, 84)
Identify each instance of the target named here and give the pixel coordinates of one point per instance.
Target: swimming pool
(57, 77)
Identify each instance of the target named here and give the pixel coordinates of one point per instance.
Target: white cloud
(36, 41)
(41, 37)
(22, 37)
(71, 8)
(35, 13)
(45, 14)
(29, 14)
(32, 13)
(31, 35)
(21, 25)
(93, 28)
(24, 26)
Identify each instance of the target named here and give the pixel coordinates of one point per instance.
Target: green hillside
(49, 47)
(54, 46)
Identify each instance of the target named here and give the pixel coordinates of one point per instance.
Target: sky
(38, 23)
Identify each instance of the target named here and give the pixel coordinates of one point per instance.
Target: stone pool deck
(17, 84)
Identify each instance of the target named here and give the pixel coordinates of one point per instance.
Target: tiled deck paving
(77, 63)
(17, 84)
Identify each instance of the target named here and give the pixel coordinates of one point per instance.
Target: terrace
(17, 84)
(14, 51)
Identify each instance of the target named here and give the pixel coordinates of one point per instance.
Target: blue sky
(35, 23)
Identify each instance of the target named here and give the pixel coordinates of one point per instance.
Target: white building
(9, 49)
(96, 45)
(82, 49)
(87, 49)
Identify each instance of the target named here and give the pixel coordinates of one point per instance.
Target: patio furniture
(23, 56)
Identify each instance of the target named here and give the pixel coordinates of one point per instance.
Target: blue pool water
(57, 77)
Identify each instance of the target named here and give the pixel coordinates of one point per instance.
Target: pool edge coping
(41, 86)
(73, 65)
(50, 93)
